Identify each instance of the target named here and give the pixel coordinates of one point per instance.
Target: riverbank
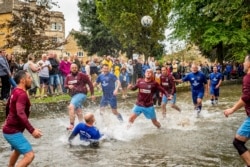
(59, 103)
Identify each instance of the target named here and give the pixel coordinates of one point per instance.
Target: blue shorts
(54, 79)
(165, 99)
(111, 100)
(44, 80)
(18, 142)
(244, 129)
(214, 91)
(149, 112)
(77, 100)
(197, 94)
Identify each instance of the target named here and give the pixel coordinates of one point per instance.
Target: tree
(27, 28)
(95, 37)
(123, 19)
(219, 26)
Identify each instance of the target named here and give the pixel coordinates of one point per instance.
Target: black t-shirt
(55, 66)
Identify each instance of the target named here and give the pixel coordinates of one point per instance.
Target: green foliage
(220, 26)
(95, 37)
(123, 19)
(27, 28)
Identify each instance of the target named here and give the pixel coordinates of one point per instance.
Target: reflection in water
(183, 140)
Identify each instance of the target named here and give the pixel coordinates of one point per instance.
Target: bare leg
(156, 123)
(118, 115)
(114, 111)
(132, 118)
(59, 88)
(51, 89)
(71, 109)
(175, 107)
(41, 90)
(199, 102)
(45, 90)
(27, 159)
(246, 155)
(79, 114)
(164, 110)
(13, 158)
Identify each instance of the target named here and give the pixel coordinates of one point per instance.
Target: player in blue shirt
(87, 131)
(198, 84)
(214, 82)
(110, 85)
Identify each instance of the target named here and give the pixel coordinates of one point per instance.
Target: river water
(183, 140)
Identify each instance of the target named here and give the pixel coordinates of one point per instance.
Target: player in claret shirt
(17, 120)
(144, 104)
(167, 82)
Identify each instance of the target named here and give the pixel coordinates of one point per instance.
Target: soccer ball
(146, 21)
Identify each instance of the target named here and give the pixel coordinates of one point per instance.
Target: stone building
(56, 29)
(71, 47)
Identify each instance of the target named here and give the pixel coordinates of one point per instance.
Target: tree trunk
(130, 53)
(219, 53)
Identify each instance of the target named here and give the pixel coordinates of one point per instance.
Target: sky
(70, 11)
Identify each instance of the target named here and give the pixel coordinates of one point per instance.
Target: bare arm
(236, 106)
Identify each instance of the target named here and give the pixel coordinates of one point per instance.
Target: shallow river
(183, 140)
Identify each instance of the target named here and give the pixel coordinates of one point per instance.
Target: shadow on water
(183, 140)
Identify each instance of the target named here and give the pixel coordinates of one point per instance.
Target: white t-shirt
(44, 72)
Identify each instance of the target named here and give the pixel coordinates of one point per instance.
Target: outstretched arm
(71, 137)
(236, 106)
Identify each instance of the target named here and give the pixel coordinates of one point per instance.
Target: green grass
(53, 99)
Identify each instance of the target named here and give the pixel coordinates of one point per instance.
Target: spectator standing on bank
(43, 74)
(54, 80)
(130, 70)
(5, 74)
(64, 68)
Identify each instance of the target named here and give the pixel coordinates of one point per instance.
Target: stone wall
(61, 106)
(6, 6)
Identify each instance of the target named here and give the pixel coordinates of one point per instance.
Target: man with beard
(243, 133)
(198, 82)
(144, 104)
(17, 112)
(77, 83)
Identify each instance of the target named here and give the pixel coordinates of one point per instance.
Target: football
(146, 21)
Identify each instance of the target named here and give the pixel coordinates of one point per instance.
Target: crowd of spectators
(49, 71)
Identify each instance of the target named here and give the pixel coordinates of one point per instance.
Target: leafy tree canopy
(94, 36)
(123, 18)
(27, 28)
(220, 26)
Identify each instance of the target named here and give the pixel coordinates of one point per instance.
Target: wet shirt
(18, 113)
(215, 78)
(108, 83)
(246, 93)
(197, 80)
(86, 133)
(79, 81)
(146, 92)
(167, 82)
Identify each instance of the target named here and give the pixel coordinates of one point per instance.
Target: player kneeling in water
(87, 131)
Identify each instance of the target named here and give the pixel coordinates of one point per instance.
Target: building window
(56, 27)
(54, 39)
(80, 54)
